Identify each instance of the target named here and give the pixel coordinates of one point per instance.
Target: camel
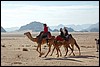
(50, 41)
(66, 44)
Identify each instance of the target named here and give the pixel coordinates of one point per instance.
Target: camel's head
(26, 33)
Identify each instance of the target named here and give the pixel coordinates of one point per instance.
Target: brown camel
(50, 41)
(66, 44)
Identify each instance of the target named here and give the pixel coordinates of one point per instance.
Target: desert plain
(12, 53)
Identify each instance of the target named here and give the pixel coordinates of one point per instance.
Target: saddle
(59, 38)
(45, 36)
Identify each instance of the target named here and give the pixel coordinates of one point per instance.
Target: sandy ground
(12, 53)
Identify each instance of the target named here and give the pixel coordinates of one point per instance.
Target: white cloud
(52, 15)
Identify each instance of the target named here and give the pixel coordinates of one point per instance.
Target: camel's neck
(31, 38)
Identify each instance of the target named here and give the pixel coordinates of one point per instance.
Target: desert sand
(12, 54)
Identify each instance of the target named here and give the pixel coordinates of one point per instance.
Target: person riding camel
(66, 33)
(44, 34)
(61, 36)
(62, 33)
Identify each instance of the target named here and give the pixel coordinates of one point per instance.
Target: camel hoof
(40, 56)
(50, 55)
(45, 56)
(57, 56)
(69, 54)
(74, 55)
(64, 55)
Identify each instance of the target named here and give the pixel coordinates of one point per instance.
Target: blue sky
(18, 13)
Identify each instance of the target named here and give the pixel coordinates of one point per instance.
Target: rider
(66, 33)
(44, 34)
(62, 34)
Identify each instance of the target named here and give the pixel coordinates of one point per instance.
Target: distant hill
(94, 28)
(69, 30)
(55, 30)
(79, 27)
(34, 26)
(11, 29)
(57, 27)
(82, 28)
(2, 29)
(61, 26)
(38, 26)
(74, 27)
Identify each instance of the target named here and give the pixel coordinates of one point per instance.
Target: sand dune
(18, 50)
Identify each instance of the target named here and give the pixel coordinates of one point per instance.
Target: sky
(19, 13)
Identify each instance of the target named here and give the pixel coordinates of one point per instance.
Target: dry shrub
(45, 46)
(35, 46)
(25, 49)
(3, 45)
(28, 45)
(17, 62)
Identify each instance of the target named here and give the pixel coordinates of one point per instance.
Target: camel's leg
(37, 49)
(66, 51)
(39, 46)
(78, 48)
(71, 51)
(60, 51)
(57, 51)
(48, 50)
(52, 51)
(40, 51)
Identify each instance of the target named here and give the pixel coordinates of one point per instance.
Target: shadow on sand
(71, 58)
(83, 56)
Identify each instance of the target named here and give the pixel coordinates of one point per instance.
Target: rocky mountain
(2, 29)
(83, 27)
(69, 29)
(57, 27)
(55, 30)
(74, 27)
(34, 26)
(11, 29)
(79, 27)
(93, 28)
(38, 26)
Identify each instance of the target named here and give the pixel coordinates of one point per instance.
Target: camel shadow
(83, 56)
(71, 58)
(62, 59)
